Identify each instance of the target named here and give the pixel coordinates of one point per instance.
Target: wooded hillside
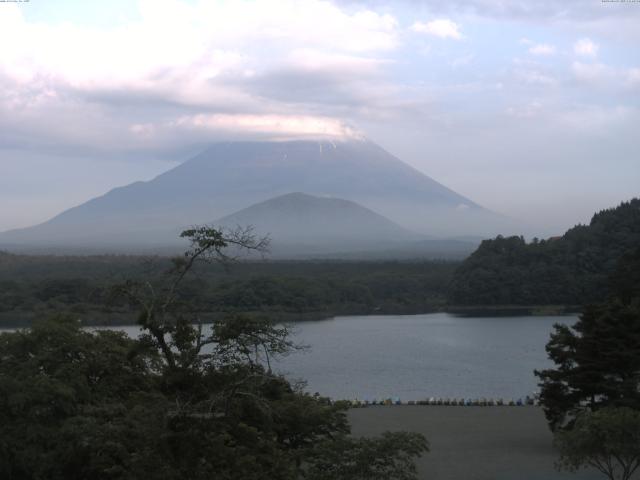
(569, 270)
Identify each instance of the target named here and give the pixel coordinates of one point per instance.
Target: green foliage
(608, 440)
(76, 404)
(71, 403)
(569, 270)
(181, 402)
(390, 456)
(592, 396)
(597, 363)
(625, 280)
(598, 359)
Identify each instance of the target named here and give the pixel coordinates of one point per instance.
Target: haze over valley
(312, 197)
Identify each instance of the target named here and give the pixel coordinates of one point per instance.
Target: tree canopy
(182, 401)
(570, 270)
(597, 361)
(607, 440)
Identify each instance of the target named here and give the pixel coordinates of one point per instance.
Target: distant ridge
(301, 222)
(230, 176)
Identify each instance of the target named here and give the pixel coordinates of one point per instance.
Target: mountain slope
(300, 221)
(230, 176)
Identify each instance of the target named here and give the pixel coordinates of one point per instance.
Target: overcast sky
(530, 108)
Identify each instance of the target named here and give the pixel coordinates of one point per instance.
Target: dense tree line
(83, 285)
(568, 270)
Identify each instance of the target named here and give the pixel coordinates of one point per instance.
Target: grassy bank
(473, 443)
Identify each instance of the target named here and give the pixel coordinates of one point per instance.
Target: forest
(569, 270)
(31, 286)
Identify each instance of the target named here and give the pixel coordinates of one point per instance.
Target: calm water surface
(418, 356)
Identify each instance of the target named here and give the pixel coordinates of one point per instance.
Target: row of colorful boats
(454, 402)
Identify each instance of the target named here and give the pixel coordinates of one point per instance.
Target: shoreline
(459, 401)
(513, 310)
(8, 320)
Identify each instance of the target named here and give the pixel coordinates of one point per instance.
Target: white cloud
(441, 27)
(593, 73)
(529, 110)
(207, 38)
(176, 56)
(142, 130)
(601, 75)
(534, 77)
(633, 77)
(462, 61)
(542, 49)
(318, 60)
(597, 119)
(585, 47)
(530, 72)
(275, 126)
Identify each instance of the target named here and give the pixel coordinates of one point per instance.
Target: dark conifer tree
(598, 359)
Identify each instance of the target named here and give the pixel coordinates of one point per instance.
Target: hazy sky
(530, 108)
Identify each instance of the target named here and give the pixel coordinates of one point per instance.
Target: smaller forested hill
(569, 270)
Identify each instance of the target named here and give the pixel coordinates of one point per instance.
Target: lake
(419, 356)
